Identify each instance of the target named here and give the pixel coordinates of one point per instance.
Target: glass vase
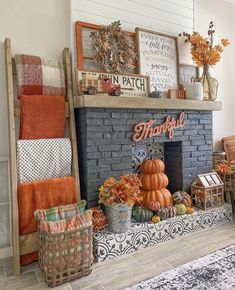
(210, 85)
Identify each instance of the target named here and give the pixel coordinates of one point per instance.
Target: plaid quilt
(79, 221)
(60, 212)
(39, 76)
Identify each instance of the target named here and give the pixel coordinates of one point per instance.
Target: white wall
(223, 14)
(40, 27)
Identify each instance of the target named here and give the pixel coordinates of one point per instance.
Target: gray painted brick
(94, 135)
(99, 129)
(109, 161)
(121, 166)
(109, 148)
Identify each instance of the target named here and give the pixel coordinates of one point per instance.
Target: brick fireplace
(105, 146)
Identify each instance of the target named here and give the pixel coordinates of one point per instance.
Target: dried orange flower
(203, 50)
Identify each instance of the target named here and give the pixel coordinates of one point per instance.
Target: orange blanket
(42, 117)
(42, 195)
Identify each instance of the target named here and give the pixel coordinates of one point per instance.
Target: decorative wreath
(113, 48)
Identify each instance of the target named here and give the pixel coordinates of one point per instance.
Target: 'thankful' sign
(146, 130)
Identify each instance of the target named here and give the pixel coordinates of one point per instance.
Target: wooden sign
(146, 130)
(158, 59)
(131, 85)
(187, 73)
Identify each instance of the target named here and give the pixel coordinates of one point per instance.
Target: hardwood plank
(11, 124)
(105, 101)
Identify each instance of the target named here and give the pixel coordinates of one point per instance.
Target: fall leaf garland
(113, 48)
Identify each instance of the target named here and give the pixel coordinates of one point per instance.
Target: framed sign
(187, 73)
(158, 58)
(131, 85)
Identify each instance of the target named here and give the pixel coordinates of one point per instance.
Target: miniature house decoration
(208, 190)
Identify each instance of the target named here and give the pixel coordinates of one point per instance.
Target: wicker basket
(65, 256)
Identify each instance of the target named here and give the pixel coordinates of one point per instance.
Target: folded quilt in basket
(43, 159)
(43, 194)
(60, 212)
(42, 117)
(39, 76)
(79, 221)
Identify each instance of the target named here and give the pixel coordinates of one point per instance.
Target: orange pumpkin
(163, 196)
(187, 200)
(153, 181)
(189, 210)
(152, 166)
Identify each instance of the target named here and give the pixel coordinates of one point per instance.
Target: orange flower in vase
(119, 196)
(206, 54)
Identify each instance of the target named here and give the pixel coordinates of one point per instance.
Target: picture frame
(83, 42)
(187, 73)
(132, 85)
(158, 57)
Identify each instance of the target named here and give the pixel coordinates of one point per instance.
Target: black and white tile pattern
(142, 150)
(212, 272)
(43, 159)
(108, 245)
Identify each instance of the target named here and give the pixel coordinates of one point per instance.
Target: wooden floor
(126, 270)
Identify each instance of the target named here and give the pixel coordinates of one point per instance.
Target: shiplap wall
(169, 16)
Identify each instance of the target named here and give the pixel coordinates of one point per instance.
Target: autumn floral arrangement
(203, 50)
(114, 48)
(126, 190)
(223, 167)
(206, 54)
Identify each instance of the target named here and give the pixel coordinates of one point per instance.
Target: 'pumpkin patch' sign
(146, 130)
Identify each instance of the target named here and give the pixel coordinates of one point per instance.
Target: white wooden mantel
(105, 101)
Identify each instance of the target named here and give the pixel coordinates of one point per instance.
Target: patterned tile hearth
(108, 245)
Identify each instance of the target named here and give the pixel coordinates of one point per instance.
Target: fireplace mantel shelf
(105, 101)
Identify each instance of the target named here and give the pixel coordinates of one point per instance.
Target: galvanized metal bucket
(119, 218)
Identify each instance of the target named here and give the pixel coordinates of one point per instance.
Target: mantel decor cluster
(109, 49)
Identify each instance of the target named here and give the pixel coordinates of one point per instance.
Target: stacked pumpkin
(154, 183)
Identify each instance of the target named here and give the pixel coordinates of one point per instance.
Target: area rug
(215, 271)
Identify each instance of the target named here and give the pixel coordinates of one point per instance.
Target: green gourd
(181, 209)
(141, 214)
(163, 213)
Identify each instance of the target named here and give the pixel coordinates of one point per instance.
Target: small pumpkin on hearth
(153, 181)
(189, 210)
(181, 209)
(154, 205)
(152, 166)
(187, 200)
(177, 197)
(172, 211)
(163, 196)
(141, 214)
(156, 219)
(163, 213)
